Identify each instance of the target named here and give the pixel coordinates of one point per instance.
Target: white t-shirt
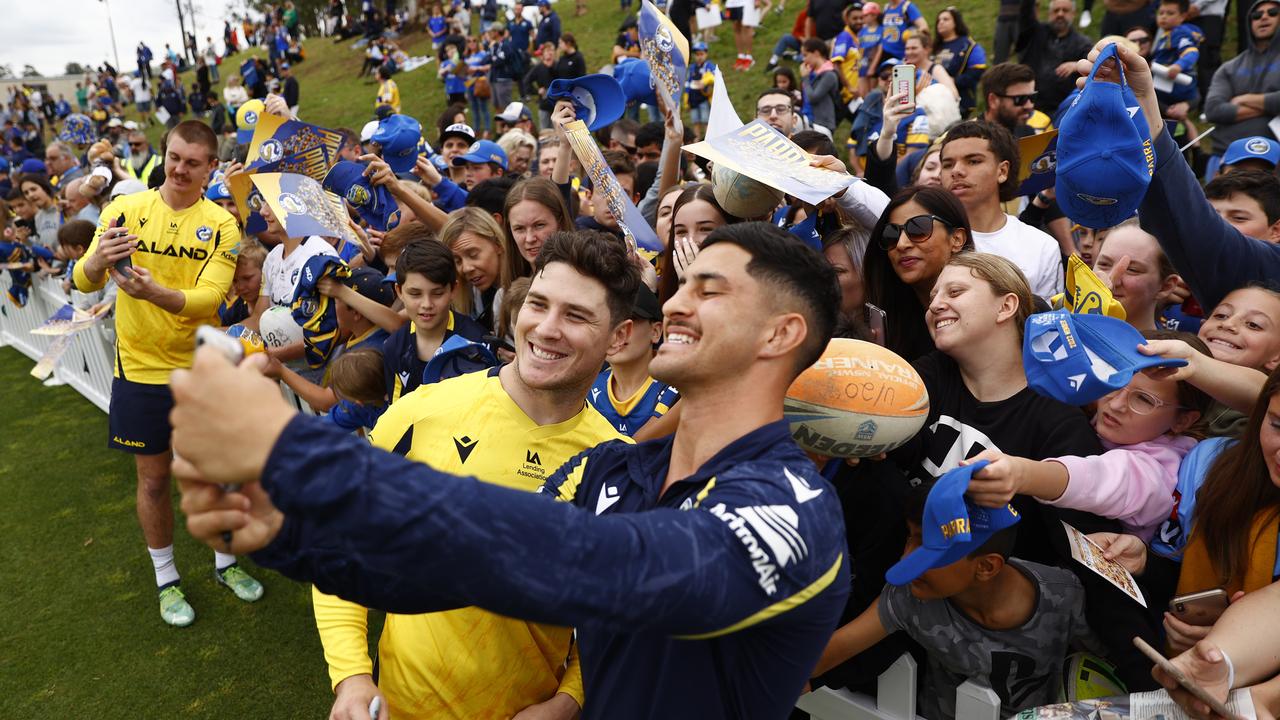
(1033, 251)
(280, 274)
(141, 90)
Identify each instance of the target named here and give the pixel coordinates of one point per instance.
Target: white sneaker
(1086, 19)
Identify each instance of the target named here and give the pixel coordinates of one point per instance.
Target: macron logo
(1075, 381)
(804, 493)
(608, 498)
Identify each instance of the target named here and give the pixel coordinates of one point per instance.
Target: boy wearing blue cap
(981, 616)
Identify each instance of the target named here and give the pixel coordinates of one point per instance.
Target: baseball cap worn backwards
(1077, 359)
(1105, 153)
(952, 527)
(399, 135)
(597, 98)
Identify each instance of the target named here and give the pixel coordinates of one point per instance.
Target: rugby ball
(742, 196)
(858, 400)
(277, 327)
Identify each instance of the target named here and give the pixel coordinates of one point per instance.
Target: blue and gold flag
(292, 146)
(605, 185)
(303, 207)
(666, 49)
(248, 202)
(1039, 155)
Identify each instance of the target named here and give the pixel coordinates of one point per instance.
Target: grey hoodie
(1252, 71)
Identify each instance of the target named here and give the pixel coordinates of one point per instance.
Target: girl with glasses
(918, 233)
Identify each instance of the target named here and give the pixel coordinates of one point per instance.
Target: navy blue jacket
(713, 600)
(1212, 257)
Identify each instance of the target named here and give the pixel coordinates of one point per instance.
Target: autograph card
(1090, 555)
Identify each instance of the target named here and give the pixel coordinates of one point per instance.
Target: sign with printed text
(605, 184)
(303, 206)
(292, 146)
(762, 153)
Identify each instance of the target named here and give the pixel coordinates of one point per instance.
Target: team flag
(303, 206)
(1086, 293)
(723, 118)
(605, 184)
(292, 146)
(762, 153)
(666, 49)
(248, 202)
(1039, 155)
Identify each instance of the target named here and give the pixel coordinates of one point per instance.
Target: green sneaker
(174, 608)
(244, 586)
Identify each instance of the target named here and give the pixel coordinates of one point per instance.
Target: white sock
(222, 561)
(773, 59)
(741, 56)
(166, 569)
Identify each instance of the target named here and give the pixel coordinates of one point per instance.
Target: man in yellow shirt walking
(172, 253)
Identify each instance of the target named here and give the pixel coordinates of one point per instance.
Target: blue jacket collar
(648, 464)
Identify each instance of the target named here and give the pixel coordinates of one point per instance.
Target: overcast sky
(50, 33)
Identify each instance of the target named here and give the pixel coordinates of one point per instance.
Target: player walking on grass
(172, 253)
(704, 572)
(512, 427)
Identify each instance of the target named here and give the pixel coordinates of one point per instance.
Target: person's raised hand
(671, 122)
(426, 171)
(1176, 293)
(829, 162)
(1172, 349)
(995, 485)
(1128, 550)
(379, 172)
(1137, 74)
(1205, 665)
(1112, 277)
(235, 167)
(136, 282)
(563, 114)
(352, 697)
(276, 105)
(895, 111)
(115, 244)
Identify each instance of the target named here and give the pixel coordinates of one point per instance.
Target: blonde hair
(481, 224)
(251, 251)
(356, 375)
(1004, 278)
(516, 138)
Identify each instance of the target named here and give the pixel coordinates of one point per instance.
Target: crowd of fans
(500, 314)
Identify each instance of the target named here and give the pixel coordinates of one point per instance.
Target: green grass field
(80, 635)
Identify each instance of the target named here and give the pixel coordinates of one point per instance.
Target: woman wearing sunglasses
(917, 235)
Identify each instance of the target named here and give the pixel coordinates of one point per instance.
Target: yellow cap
(247, 114)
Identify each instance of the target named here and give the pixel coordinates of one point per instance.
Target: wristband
(1231, 670)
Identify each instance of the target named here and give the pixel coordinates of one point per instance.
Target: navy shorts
(139, 418)
(733, 14)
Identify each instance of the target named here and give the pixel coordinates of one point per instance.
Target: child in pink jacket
(1147, 428)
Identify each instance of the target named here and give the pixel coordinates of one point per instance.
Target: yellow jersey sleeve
(344, 633)
(193, 251)
(571, 683)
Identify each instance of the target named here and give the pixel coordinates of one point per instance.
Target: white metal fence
(87, 367)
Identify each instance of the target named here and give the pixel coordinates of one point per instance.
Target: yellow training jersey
(466, 663)
(193, 251)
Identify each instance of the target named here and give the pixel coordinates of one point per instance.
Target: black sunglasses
(918, 229)
(1271, 12)
(1020, 99)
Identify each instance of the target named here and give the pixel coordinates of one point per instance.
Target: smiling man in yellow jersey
(181, 253)
(510, 426)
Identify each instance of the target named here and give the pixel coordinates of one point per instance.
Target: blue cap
(699, 46)
(369, 283)
(399, 136)
(218, 188)
(807, 231)
(482, 151)
(1079, 358)
(952, 527)
(33, 166)
(1253, 148)
(77, 129)
(887, 63)
(374, 204)
(598, 98)
(636, 80)
(4, 165)
(1105, 154)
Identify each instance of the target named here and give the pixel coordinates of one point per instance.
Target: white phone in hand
(904, 82)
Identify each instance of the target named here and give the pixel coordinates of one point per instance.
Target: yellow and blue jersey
(846, 52)
(628, 415)
(868, 40)
(467, 662)
(403, 369)
(193, 251)
(704, 74)
(1180, 46)
(711, 596)
(896, 20)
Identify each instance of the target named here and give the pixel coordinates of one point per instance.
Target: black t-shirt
(827, 17)
(1027, 425)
